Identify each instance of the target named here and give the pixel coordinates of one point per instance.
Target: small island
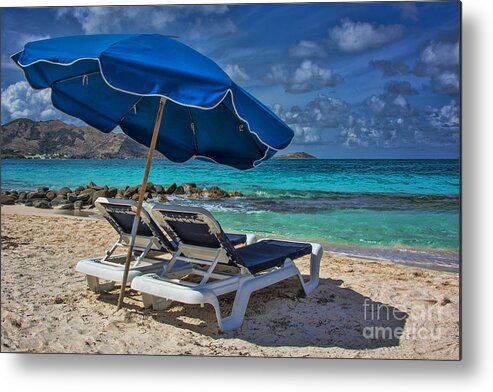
(295, 155)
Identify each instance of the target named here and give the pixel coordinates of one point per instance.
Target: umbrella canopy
(119, 80)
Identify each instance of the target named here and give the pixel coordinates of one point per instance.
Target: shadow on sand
(280, 315)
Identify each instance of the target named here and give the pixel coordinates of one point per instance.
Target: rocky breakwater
(85, 196)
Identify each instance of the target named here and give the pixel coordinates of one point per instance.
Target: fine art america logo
(386, 322)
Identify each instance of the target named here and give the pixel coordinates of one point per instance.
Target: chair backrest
(194, 226)
(121, 213)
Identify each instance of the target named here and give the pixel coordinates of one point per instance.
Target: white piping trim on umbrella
(229, 90)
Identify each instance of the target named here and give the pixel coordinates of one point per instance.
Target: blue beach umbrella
(161, 93)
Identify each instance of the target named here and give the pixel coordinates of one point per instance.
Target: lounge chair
(152, 250)
(216, 267)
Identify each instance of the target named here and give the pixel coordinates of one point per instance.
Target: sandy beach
(362, 308)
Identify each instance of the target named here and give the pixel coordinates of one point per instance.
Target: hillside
(295, 155)
(56, 139)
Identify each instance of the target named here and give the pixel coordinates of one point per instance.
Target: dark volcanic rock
(7, 200)
(215, 193)
(188, 186)
(43, 189)
(130, 191)
(85, 198)
(78, 205)
(236, 194)
(22, 196)
(179, 191)
(159, 189)
(92, 185)
(59, 200)
(100, 193)
(66, 206)
(35, 195)
(171, 189)
(64, 190)
(50, 195)
(71, 197)
(112, 192)
(41, 203)
(79, 189)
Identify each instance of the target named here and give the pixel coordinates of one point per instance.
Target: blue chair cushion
(271, 253)
(236, 239)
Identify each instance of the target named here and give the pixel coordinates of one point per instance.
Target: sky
(353, 80)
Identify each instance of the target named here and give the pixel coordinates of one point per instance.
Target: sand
(361, 309)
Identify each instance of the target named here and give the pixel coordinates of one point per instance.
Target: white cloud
(319, 115)
(236, 73)
(192, 20)
(446, 83)
(307, 50)
(375, 104)
(353, 37)
(440, 54)
(307, 77)
(20, 100)
(440, 61)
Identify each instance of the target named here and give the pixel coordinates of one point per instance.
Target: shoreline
(332, 248)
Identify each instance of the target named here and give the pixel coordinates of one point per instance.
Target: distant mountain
(295, 155)
(25, 138)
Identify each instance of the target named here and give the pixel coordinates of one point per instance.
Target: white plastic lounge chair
(152, 250)
(203, 244)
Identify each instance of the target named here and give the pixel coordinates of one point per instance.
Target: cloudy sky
(361, 80)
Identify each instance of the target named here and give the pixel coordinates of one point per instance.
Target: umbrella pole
(142, 192)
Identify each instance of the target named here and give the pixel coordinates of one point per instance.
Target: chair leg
(96, 287)
(156, 302)
(315, 259)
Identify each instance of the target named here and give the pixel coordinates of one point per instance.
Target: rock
(43, 189)
(92, 185)
(197, 192)
(100, 193)
(214, 193)
(130, 191)
(41, 203)
(28, 203)
(85, 198)
(236, 194)
(77, 205)
(171, 189)
(88, 191)
(149, 186)
(50, 195)
(162, 199)
(179, 191)
(7, 200)
(59, 200)
(35, 195)
(112, 192)
(119, 194)
(79, 189)
(71, 197)
(64, 190)
(159, 189)
(66, 206)
(22, 196)
(135, 196)
(187, 186)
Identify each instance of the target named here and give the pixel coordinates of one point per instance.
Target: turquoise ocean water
(404, 210)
